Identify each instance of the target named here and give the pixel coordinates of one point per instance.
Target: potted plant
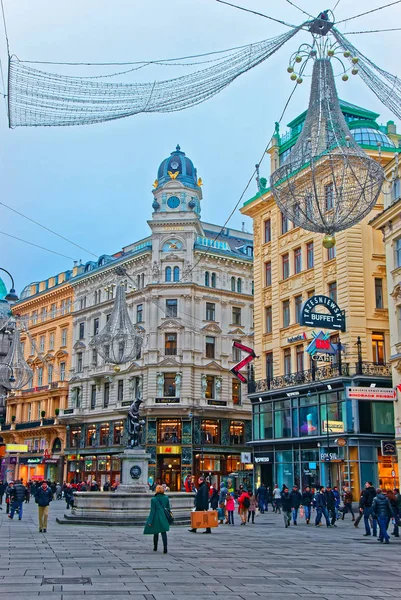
(43, 414)
(13, 417)
(57, 412)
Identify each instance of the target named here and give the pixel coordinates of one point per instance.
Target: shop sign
(50, 461)
(341, 442)
(334, 320)
(217, 402)
(320, 344)
(297, 338)
(334, 427)
(167, 400)
(16, 448)
(327, 456)
(368, 393)
(68, 411)
(264, 457)
(169, 449)
(30, 461)
(389, 448)
(246, 457)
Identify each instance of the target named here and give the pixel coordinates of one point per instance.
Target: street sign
(246, 457)
(368, 393)
(341, 441)
(251, 355)
(389, 448)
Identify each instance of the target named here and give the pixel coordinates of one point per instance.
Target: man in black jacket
(43, 498)
(296, 501)
(307, 499)
(202, 501)
(331, 504)
(286, 506)
(17, 497)
(382, 511)
(2, 490)
(365, 503)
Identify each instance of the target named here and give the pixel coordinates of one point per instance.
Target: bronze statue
(135, 424)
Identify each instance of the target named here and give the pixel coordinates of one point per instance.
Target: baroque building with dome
(190, 291)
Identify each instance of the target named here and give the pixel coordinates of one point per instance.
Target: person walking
(2, 491)
(366, 504)
(296, 501)
(277, 499)
(331, 505)
(230, 506)
(252, 508)
(214, 498)
(307, 499)
(157, 521)
(222, 498)
(382, 511)
(9, 489)
(43, 498)
(261, 496)
(69, 495)
(321, 508)
(286, 506)
(337, 499)
(201, 501)
(17, 498)
(244, 502)
(347, 499)
(396, 506)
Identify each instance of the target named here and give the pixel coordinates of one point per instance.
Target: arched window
(233, 284)
(239, 284)
(214, 280)
(143, 280)
(207, 279)
(168, 274)
(176, 273)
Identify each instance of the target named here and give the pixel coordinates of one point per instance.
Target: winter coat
(2, 489)
(202, 497)
(157, 521)
(43, 497)
(18, 492)
(381, 506)
(367, 497)
(223, 493)
(296, 499)
(276, 493)
(252, 505)
(69, 494)
(261, 492)
(286, 501)
(337, 498)
(230, 504)
(330, 499)
(348, 497)
(307, 498)
(241, 499)
(214, 499)
(320, 500)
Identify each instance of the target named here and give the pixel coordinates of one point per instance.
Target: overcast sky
(93, 183)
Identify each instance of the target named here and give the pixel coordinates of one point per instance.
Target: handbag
(168, 514)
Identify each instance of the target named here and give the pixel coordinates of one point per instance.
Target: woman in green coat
(157, 521)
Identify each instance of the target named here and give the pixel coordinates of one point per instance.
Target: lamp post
(11, 296)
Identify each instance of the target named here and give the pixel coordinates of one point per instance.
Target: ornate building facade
(293, 396)
(190, 291)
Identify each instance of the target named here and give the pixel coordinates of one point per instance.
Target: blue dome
(367, 136)
(177, 162)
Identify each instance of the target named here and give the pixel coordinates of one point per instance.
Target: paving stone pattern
(260, 561)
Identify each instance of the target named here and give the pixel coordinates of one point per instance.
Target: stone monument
(134, 459)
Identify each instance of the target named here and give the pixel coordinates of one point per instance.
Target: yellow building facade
(290, 441)
(45, 308)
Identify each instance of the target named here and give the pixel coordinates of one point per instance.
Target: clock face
(173, 202)
(174, 164)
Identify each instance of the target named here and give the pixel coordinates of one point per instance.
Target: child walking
(230, 508)
(252, 507)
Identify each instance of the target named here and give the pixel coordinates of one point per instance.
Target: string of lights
(368, 12)
(255, 12)
(36, 245)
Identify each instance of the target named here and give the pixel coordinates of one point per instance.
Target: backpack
(246, 503)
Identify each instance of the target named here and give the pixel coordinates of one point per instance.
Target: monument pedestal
(134, 470)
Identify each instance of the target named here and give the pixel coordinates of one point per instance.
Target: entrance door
(169, 471)
(266, 475)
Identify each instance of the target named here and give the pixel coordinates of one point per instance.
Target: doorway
(169, 471)
(266, 475)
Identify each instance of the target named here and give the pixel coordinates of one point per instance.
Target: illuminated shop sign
(334, 319)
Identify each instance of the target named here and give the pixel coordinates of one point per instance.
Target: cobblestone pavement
(263, 560)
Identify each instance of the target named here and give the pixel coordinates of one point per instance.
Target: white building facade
(190, 292)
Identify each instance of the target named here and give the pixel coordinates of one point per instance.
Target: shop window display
(169, 431)
(210, 432)
(237, 433)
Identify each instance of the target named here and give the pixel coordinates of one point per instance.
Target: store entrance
(266, 475)
(169, 471)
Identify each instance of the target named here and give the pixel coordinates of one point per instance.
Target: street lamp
(11, 296)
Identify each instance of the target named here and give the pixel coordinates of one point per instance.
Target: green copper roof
(3, 290)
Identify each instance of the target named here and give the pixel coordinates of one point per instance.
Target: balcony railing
(51, 386)
(319, 374)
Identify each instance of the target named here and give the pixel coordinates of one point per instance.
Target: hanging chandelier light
(327, 183)
(119, 341)
(15, 373)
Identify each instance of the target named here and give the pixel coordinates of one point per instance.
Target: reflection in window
(169, 431)
(91, 436)
(378, 348)
(104, 434)
(210, 431)
(308, 421)
(118, 432)
(282, 424)
(237, 433)
(169, 384)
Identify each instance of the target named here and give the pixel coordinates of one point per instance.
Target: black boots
(164, 549)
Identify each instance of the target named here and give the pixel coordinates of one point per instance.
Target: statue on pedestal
(135, 424)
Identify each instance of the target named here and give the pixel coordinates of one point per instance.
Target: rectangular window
(40, 376)
(236, 353)
(53, 311)
(169, 431)
(120, 390)
(43, 314)
(94, 357)
(236, 392)
(286, 265)
(287, 361)
(93, 397)
(49, 374)
(23, 348)
(210, 311)
(297, 260)
(51, 341)
(237, 433)
(268, 273)
(171, 308)
(329, 196)
(32, 347)
(269, 365)
(79, 362)
(106, 394)
(35, 317)
(81, 331)
(378, 350)
(284, 224)
(395, 189)
(210, 431)
(169, 384)
(170, 344)
(64, 337)
(268, 319)
(42, 343)
(82, 302)
(379, 292)
(139, 313)
(62, 371)
(210, 386)
(103, 441)
(268, 230)
(331, 253)
(310, 260)
(63, 307)
(118, 432)
(298, 307)
(286, 313)
(299, 352)
(95, 326)
(383, 417)
(236, 315)
(333, 290)
(210, 347)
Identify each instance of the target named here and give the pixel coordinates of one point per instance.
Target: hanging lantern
(327, 183)
(119, 341)
(15, 373)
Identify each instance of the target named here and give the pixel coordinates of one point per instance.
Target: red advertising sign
(368, 393)
(251, 355)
